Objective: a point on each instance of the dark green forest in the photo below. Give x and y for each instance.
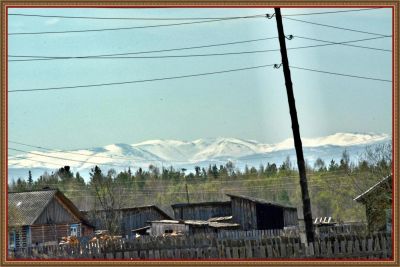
(332, 185)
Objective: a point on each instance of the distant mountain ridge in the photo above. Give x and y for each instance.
(187, 154)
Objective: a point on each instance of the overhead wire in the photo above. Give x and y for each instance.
(190, 75)
(336, 27)
(347, 43)
(330, 12)
(132, 28)
(328, 43)
(61, 158)
(279, 183)
(341, 74)
(139, 81)
(111, 156)
(132, 18)
(151, 51)
(162, 163)
(170, 18)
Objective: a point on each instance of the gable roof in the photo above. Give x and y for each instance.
(211, 203)
(372, 189)
(24, 208)
(127, 209)
(261, 201)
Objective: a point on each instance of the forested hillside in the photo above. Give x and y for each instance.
(332, 185)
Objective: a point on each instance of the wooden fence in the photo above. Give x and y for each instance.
(342, 229)
(252, 234)
(377, 246)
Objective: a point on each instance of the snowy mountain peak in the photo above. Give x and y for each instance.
(198, 152)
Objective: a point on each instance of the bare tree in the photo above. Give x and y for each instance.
(109, 200)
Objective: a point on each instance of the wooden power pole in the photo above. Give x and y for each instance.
(296, 131)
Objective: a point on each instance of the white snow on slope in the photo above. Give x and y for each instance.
(175, 152)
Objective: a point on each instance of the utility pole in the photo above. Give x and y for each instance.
(187, 193)
(296, 131)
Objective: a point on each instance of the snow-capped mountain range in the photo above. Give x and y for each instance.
(187, 154)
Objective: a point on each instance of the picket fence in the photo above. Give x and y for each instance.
(376, 246)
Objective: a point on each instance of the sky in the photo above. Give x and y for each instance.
(248, 104)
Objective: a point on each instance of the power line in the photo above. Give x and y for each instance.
(280, 182)
(189, 18)
(40, 57)
(328, 43)
(58, 164)
(336, 27)
(186, 76)
(111, 156)
(61, 158)
(133, 18)
(330, 12)
(342, 74)
(139, 81)
(135, 27)
(346, 43)
(192, 179)
(151, 51)
(74, 153)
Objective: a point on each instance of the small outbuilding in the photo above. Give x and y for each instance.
(43, 217)
(378, 205)
(259, 214)
(201, 210)
(127, 219)
(177, 227)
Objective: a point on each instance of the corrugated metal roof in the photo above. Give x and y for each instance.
(387, 179)
(262, 201)
(166, 221)
(223, 225)
(219, 219)
(25, 207)
(196, 222)
(200, 223)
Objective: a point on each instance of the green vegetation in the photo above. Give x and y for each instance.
(332, 186)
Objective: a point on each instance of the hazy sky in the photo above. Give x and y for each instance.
(249, 104)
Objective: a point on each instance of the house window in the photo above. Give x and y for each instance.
(19, 238)
(74, 230)
(11, 239)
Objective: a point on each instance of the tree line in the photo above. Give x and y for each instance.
(332, 185)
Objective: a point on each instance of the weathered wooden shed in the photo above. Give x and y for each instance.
(201, 210)
(378, 205)
(43, 217)
(161, 227)
(128, 219)
(259, 214)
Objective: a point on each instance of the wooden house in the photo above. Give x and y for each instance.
(259, 214)
(378, 205)
(127, 219)
(201, 210)
(43, 217)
